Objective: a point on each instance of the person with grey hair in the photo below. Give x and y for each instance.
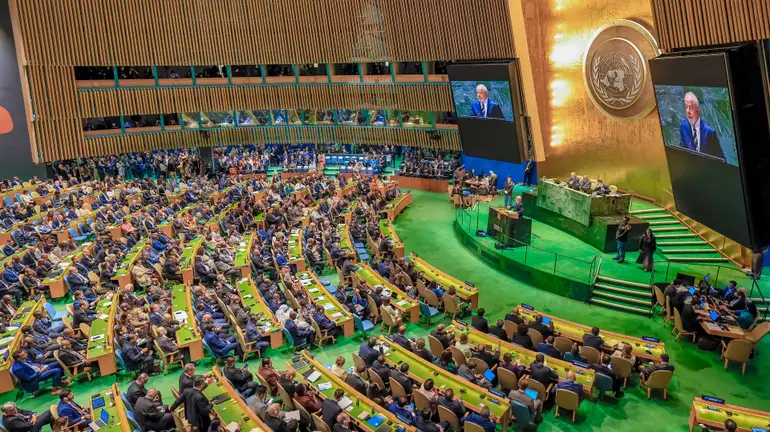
(150, 413)
(19, 420)
(276, 420)
(485, 107)
(694, 133)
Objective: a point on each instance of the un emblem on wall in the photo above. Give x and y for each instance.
(615, 70)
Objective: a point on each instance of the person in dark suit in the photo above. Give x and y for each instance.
(479, 322)
(381, 368)
(441, 334)
(354, 379)
(448, 401)
(593, 339)
(149, 412)
(540, 372)
(647, 247)
(367, 352)
(242, 379)
(422, 351)
(331, 407)
(569, 384)
(19, 420)
(606, 369)
(695, 134)
(548, 349)
(401, 339)
(522, 337)
(424, 423)
(646, 370)
(514, 316)
(485, 107)
(520, 395)
(171, 269)
(135, 358)
(197, 408)
(537, 324)
(69, 356)
(136, 389)
(82, 315)
(483, 418)
(220, 346)
(401, 376)
(498, 330)
(343, 423)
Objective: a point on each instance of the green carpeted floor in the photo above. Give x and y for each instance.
(426, 228)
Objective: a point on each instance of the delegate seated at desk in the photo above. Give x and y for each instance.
(519, 206)
(573, 182)
(585, 184)
(602, 189)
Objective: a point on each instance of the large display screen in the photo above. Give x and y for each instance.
(483, 99)
(486, 102)
(698, 120)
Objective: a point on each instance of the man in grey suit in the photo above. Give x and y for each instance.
(354, 380)
(535, 405)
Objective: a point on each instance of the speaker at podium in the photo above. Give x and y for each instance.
(508, 228)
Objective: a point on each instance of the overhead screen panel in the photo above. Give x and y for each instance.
(698, 122)
(485, 97)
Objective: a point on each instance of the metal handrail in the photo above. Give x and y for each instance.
(754, 284)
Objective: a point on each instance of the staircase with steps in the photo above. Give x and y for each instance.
(675, 240)
(622, 295)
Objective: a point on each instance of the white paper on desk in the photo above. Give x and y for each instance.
(232, 427)
(6, 340)
(345, 402)
(382, 348)
(712, 326)
(313, 290)
(102, 316)
(242, 243)
(324, 386)
(305, 282)
(313, 377)
(336, 315)
(402, 303)
(329, 306)
(304, 276)
(321, 298)
(180, 315)
(109, 303)
(256, 430)
(292, 415)
(97, 337)
(11, 329)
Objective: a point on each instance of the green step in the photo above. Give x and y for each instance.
(697, 259)
(626, 291)
(759, 301)
(623, 282)
(650, 210)
(633, 309)
(622, 298)
(668, 236)
(669, 229)
(662, 216)
(661, 223)
(685, 251)
(684, 243)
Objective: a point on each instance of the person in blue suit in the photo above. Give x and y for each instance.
(483, 106)
(400, 407)
(253, 334)
(69, 408)
(695, 134)
(30, 374)
(483, 418)
(570, 385)
(221, 346)
(367, 352)
(300, 335)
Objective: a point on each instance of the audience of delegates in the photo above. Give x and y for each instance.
(429, 163)
(156, 164)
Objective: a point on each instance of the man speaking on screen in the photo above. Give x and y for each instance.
(695, 134)
(485, 107)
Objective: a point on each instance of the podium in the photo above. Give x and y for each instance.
(508, 228)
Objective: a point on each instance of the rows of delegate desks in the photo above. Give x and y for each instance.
(367, 277)
(395, 207)
(364, 413)
(296, 256)
(56, 285)
(255, 304)
(465, 290)
(187, 262)
(714, 412)
(109, 400)
(583, 376)
(101, 348)
(11, 339)
(320, 296)
(188, 336)
(386, 228)
(234, 409)
(122, 276)
(644, 348)
(243, 253)
(474, 397)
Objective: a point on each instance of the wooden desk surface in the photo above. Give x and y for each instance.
(714, 415)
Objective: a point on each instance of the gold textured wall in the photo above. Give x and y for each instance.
(578, 137)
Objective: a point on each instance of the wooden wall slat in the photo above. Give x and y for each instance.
(696, 23)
